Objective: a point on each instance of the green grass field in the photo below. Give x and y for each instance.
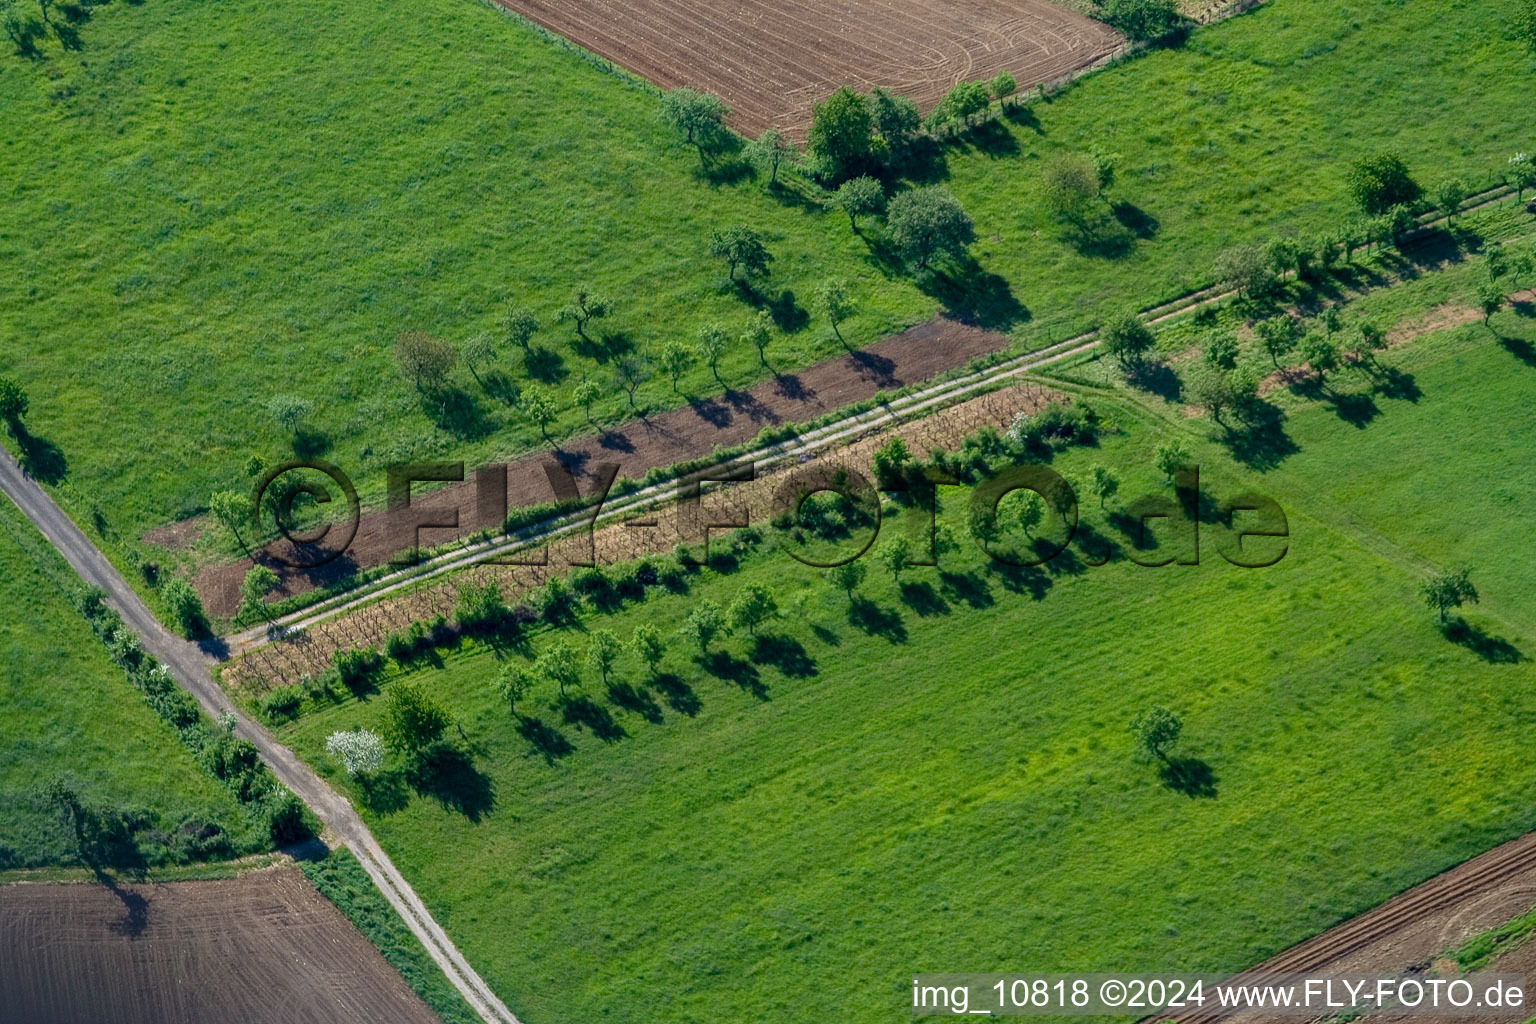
(948, 783)
(71, 715)
(219, 204)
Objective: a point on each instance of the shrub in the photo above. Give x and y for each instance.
(283, 702)
(357, 667)
(185, 607)
(480, 609)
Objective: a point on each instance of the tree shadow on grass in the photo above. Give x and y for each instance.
(923, 600)
(635, 700)
(680, 696)
(545, 365)
(40, 458)
(826, 635)
(1493, 649)
(449, 775)
(1519, 348)
(1021, 579)
(457, 412)
(1190, 776)
(786, 654)
(384, 792)
(744, 674)
(545, 739)
(1390, 382)
(1134, 219)
(868, 616)
(974, 296)
(1261, 443)
(585, 713)
(1156, 377)
(1357, 409)
(967, 588)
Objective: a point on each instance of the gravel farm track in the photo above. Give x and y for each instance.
(772, 61)
(264, 948)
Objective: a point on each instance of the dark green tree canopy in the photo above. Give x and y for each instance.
(927, 222)
(841, 141)
(1379, 183)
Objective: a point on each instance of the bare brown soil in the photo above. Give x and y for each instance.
(772, 61)
(309, 652)
(662, 440)
(264, 948)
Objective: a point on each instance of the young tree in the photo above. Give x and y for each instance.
(859, 197)
(361, 751)
(1490, 299)
(603, 652)
(1497, 261)
(1246, 270)
(413, 719)
(1277, 336)
(1522, 267)
(770, 151)
(233, 511)
(585, 393)
(753, 606)
(703, 624)
(834, 300)
(895, 555)
(841, 139)
(1446, 590)
(1170, 456)
(759, 333)
(1030, 512)
(520, 325)
(424, 360)
(711, 345)
(847, 577)
(1379, 183)
(1522, 169)
(1002, 86)
(584, 308)
(476, 351)
(1103, 484)
(897, 121)
(926, 222)
(1156, 729)
(697, 117)
(1126, 338)
(648, 643)
(1208, 387)
(558, 665)
(963, 101)
(185, 606)
(1243, 384)
(513, 684)
(289, 412)
(1372, 339)
(741, 247)
(1450, 195)
(538, 409)
(676, 359)
(629, 372)
(890, 461)
(1321, 355)
(1071, 183)
(1221, 351)
(1331, 320)
(13, 402)
(259, 581)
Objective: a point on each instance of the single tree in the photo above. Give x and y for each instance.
(259, 581)
(1221, 351)
(1246, 270)
(890, 462)
(1379, 183)
(1126, 338)
(711, 345)
(476, 351)
(1243, 383)
(629, 372)
(1446, 590)
(603, 652)
(513, 684)
(897, 121)
(1208, 387)
(1103, 484)
(1030, 512)
(859, 197)
(835, 302)
(1277, 336)
(770, 151)
(13, 403)
(1498, 262)
(538, 409)
(1370, 340)
(1331, 320)
(1522, 267)
(424, 360)
(649, 644)
(520, 325)
(1141, 19)
(1321, 355)
(1002, 86)
(927, 222)
(741, 247)
(1170, 456)
(697, 117)
(585, 393)
(1157, 729)
(847, 577)
(753, 606)
(1450, 195)
(1522, 168)
(361, 751)
(1071, 182)
(759, 333)
(584, 308)
(1490, 299)
(413, 719)
(841, 139)
(185, 606)
(676, 359)
(233, 511)
(963, 102)
(558, 665)
(289, 412)
(703, 624)
(895, 555)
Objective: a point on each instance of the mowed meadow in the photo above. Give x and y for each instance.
(220, 204)
(940, 775)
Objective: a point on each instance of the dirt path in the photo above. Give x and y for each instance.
(189, 665)
(665, 439)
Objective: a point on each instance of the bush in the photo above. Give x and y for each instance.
(283, 702)
(408, 644)
(480, 609)
(1057, 426)
(285, 818)
(358, 667)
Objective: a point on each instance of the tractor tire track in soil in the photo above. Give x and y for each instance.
(264, 948)
(639, 445)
